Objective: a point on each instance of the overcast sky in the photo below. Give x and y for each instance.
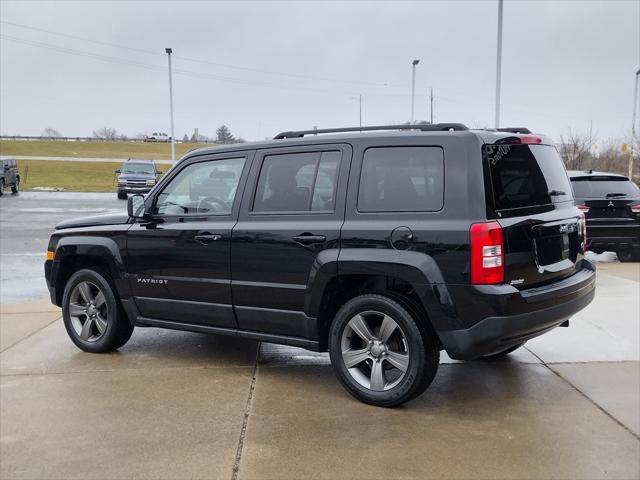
(263, 67)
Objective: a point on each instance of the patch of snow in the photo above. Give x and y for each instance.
(607, 257)
(48, 189)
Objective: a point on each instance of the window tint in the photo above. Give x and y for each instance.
(603, 187)
(202, 188)
(401, 179)
(526, 176)
(297, 182)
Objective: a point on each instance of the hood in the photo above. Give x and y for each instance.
(94, 221)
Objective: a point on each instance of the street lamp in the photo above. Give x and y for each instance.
(634, 139)
(413, 88)
(173, 144)
(499, 64)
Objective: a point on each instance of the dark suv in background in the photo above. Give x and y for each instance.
(136, 176)
(9, 175)
(383, 248)
(611, 204)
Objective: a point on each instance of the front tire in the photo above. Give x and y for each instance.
(1, 187)
(16, 186)
(122, 195)
(92, 316)
(379, 351)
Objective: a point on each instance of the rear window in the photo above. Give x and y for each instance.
(603, 187)
(402, 179)
(526, 176)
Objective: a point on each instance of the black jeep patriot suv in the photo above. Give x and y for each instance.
(383, 248)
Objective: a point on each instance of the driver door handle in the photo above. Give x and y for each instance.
(208, 237)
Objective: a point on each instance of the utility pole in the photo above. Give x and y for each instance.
(360, 98)
(173, 140)
(499, 64)
(634, 138)
(413, 88)
(431, 101)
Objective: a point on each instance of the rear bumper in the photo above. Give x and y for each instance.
(607, 236)
(521, 315)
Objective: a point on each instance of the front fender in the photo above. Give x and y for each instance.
(78, 248)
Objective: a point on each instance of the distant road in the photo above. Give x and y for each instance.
(80, 159)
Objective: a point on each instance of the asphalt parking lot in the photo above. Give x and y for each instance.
(185, 405)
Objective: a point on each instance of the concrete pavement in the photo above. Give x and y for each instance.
(184, 405)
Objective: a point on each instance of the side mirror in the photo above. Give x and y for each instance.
(135, 206)
(117, 171)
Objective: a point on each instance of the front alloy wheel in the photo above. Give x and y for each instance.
(88, 311)
(92, 315)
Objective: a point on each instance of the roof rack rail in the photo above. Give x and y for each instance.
(514, 130)
(425, 127)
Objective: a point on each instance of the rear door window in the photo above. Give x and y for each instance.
(402, 179)
(603, 187)
(526, 176)
(297, 182)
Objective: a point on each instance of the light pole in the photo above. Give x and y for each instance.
(173, 144)
(634, 138)
(499, 64)
(360, 100)
(413, 88)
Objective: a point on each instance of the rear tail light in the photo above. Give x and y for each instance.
(635, 208)
(583, 208)
(487, 253)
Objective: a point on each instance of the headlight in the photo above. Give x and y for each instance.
(122, 182)
(151, 182)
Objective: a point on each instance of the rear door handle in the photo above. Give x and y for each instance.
(309, 238)
(208, 237)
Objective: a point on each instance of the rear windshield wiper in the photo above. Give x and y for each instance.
(611, 195)
(556, 193)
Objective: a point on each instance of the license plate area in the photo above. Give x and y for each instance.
(550, 250)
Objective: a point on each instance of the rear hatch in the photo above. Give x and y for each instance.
(530, 196)
(606, 199)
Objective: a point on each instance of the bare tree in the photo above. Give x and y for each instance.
(575, 151)
(106, 133)
(50, 133)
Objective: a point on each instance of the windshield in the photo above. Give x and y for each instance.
(145, 168)
(603, 187)
(526, 176)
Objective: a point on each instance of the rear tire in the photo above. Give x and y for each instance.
(1, 187)
(15, 187)
(92, 316)
(379, 351)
